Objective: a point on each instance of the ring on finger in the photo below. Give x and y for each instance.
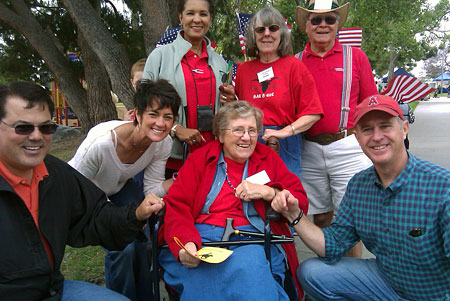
(224, 97)
(194, 141)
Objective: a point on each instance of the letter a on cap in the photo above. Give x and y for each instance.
(372, 101)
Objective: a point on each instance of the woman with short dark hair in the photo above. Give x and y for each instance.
(112, 153)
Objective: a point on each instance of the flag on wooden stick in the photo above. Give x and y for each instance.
(242, 29)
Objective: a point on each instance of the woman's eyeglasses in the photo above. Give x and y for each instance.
(28, 128)
(272, 28)
(239, 132)
(329, 20)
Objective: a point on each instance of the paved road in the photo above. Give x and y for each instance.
(429, 135)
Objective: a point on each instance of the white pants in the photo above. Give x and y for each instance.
(326, 170)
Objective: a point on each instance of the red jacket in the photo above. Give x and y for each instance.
(188, 193)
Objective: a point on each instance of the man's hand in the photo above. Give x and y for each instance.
(150, 205)
(286, 204)
(186, 259)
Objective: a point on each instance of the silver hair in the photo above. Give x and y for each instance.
(268, 16)
(234, 110)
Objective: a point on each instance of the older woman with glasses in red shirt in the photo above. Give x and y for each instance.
(214, 184)
(278, 84)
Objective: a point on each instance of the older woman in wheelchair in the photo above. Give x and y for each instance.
(232, 177)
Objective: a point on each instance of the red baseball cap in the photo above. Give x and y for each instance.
(378, 102)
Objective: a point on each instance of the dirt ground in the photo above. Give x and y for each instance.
(65, 148)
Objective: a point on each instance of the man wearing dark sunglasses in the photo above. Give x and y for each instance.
(45, 204)
(343, 78)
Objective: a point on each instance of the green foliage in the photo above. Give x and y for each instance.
(19, 61)
(125, 32)
(393, 31)
(224, 29)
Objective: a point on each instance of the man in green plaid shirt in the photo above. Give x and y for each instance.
(399, 208)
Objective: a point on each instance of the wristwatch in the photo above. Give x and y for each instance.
(295, 221)
(173, 130)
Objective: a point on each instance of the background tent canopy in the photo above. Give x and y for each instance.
(399, 71)
(443, 76)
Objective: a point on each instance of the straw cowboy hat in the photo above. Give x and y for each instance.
(321, 7)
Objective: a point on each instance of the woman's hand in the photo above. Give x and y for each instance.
(186, 259)
(190, 136)
(286, 204)
(227, 93)
(152, 204)
(249, 191)
(129, 116)
(280, 134)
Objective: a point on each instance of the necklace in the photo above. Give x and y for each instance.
(137, 148)
(228, 180)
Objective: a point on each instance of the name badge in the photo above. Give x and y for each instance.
(266, 74)
(260, 178)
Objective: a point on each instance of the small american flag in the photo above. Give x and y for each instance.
(169, 36)
(350, 36)
(243, 20)
(406, 89)
(242, 28)
(288, 26)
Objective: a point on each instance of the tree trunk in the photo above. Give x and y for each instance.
(155, 20)
(172, 6)
(100, 105)
(108, 50)
(24, 22)
(392, 62)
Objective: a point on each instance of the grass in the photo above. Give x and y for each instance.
(84, 264)
(413, 105)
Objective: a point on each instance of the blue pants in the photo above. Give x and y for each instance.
(83, 291)
(348, 279)
(128, 271)
(290, 151)
(245, 275)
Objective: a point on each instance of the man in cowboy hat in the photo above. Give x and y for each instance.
(399, 208)
(331, 155)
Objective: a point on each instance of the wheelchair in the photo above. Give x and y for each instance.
(266, 239)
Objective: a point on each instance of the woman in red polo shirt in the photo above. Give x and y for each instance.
(196, 71)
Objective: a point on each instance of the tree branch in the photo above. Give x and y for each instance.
(109, 51)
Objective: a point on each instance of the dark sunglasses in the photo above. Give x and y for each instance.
(27, 128)
(272, 28)
(330, 20)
